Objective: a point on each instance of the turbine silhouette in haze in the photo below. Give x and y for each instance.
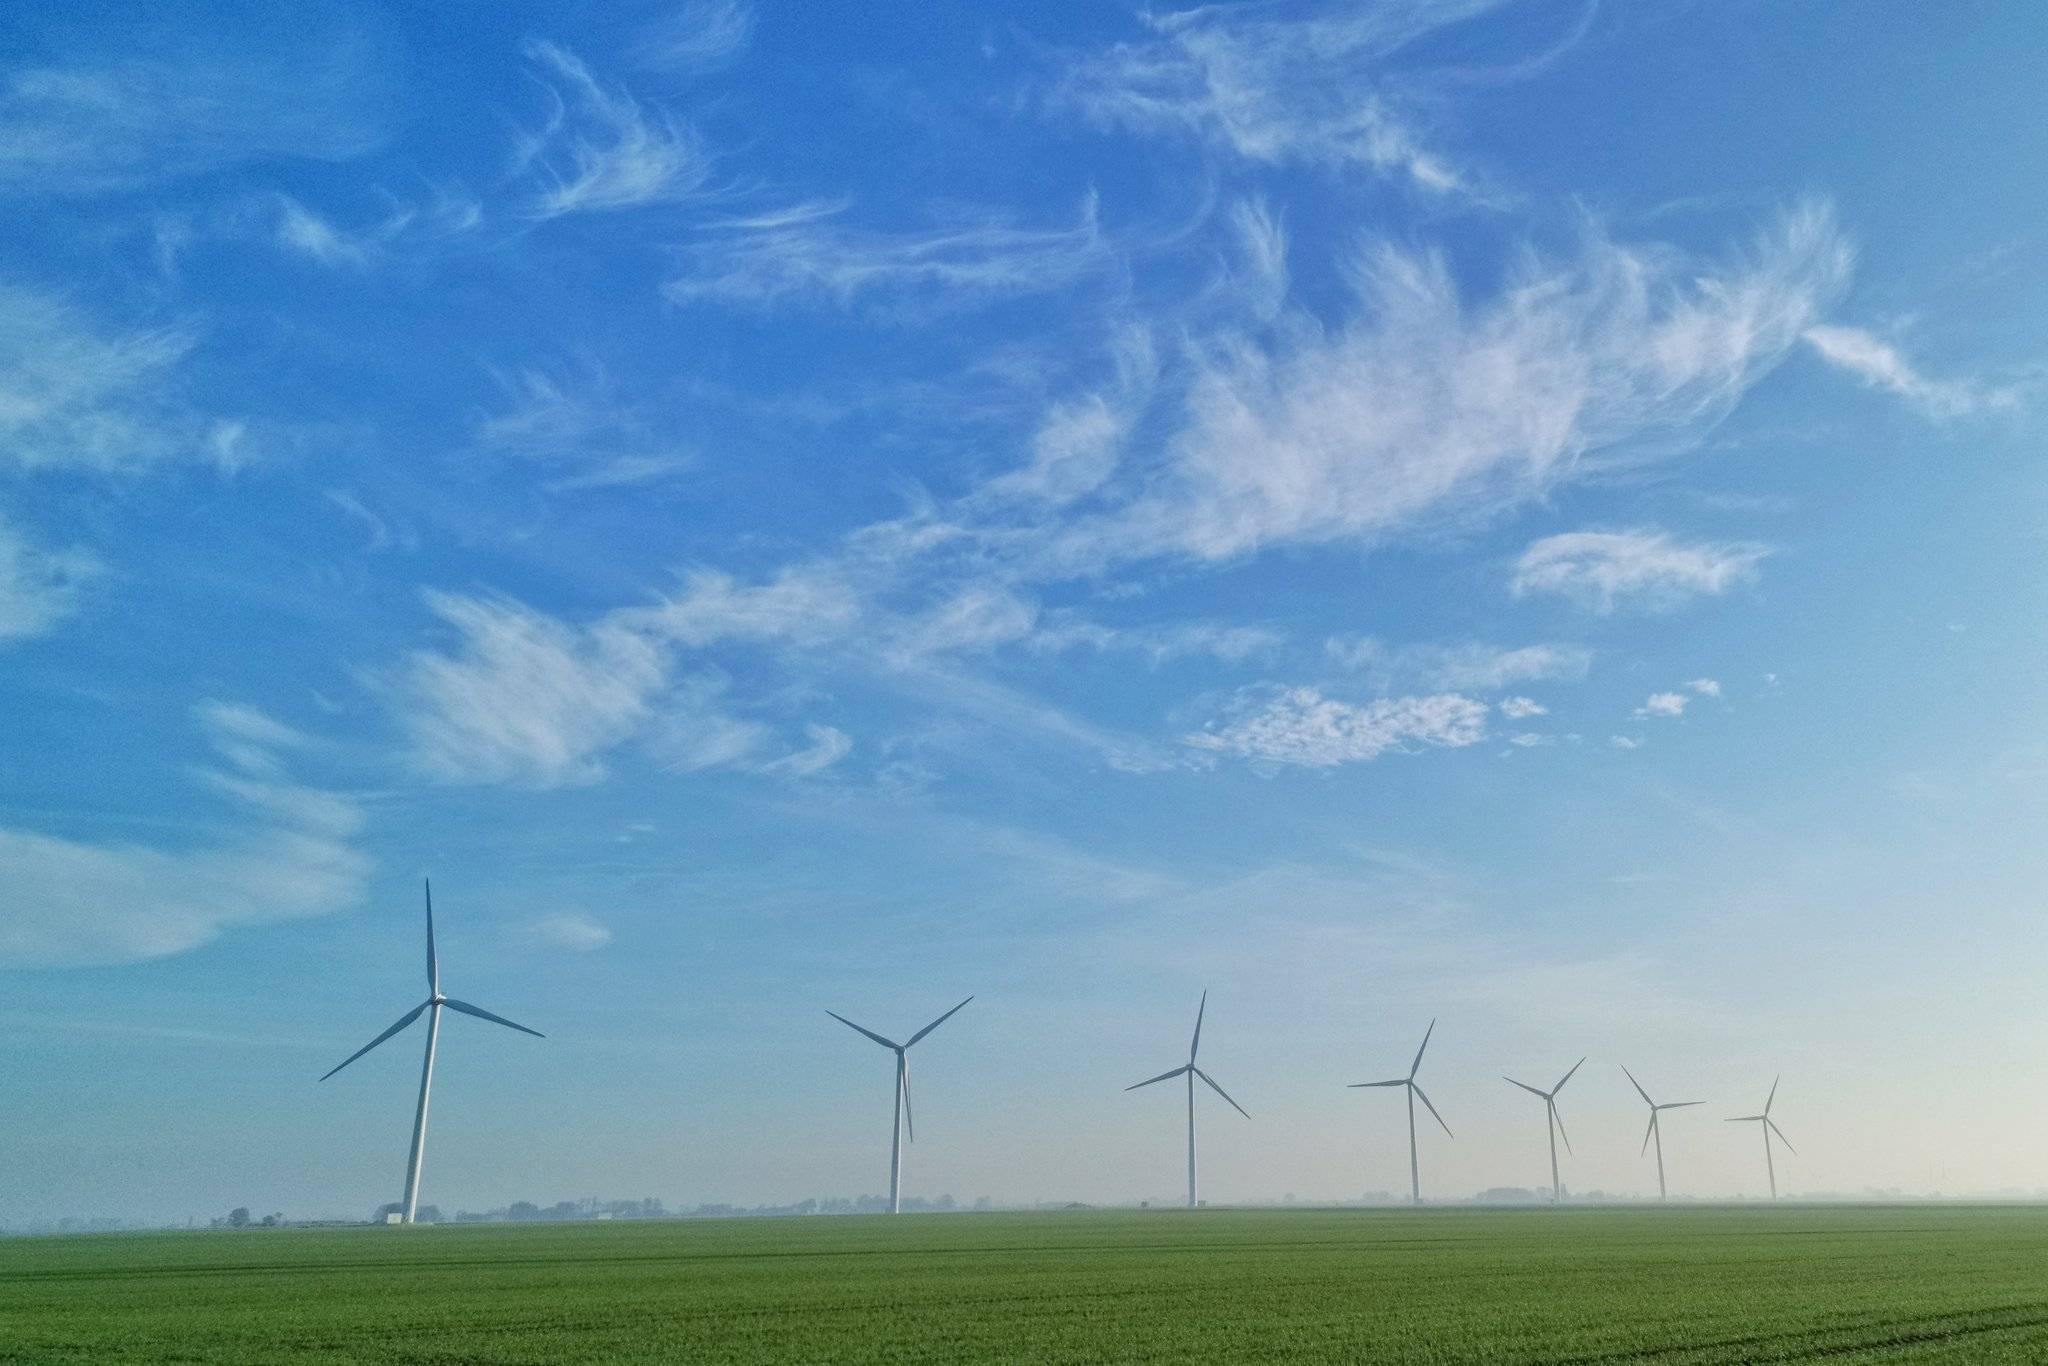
(1556, 1122)
(903, 1118)
(1190, 1071)
(433, 1004)
(1656, 1130)
(1414, 1091)
(1769, 1126)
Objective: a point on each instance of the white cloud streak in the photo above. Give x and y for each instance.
(39, 587)
(1880, 365)
(1321, 90)
(76, 902)
(1603, 570)
(600, 149)
(807, 254)
(1469, 666)
(696, 37)
(1301, 726)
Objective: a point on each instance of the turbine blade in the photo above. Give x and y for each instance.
(1745, 1119)
(1567, 1076)
(1196, 1046)
(1397, 1081)
(1218, 1090)
(935, 1023)
(1680, 1104)
(1638, 1085)
(1781, 1136)
(903, 1080)
(886, 1043)
(433, 968)
(1419, 1095)
(403, 1021)
(1560, 1126)
(1773, 1095)
(482, 1014)
(1163, 1076)
(1648, 1129)
(1527, 1087)
(1416, 1066)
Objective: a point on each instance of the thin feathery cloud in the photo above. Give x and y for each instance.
(1301, 726)
(181, 106)
(288, 854)
(601, 150)
(808, 255)
(1880, 365)
(1522, 708)
(567, 932)
(699, 36)
(77, 395)
(39, 587)
(1603, 570)
(407, 230)
(1324, 90)
(524, 699)
(1467, 667)
(1428, 407)
(574, 420)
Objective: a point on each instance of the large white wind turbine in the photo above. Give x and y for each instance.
(902, 1097)
(1769, 1126)
(435, 1000)
(1190, 1071)
(1656, 1130)
(1414, 1167)
(1556, 1122)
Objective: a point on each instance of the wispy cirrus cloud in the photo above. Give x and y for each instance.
(1469, 666)
(573, 419)
(694, 37)
(564, 932)
(1881, 365)
(144, 103)
(39, 587)
(1604, 570)
(287, 853)
(600, 149)
(1301, 726)
(77, 394)
(809, 254)
(1319, 85)
(1427, 406)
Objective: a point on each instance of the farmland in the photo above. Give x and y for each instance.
(1683, 1285)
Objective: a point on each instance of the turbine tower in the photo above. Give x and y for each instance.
(433, 1004)
(903, 1118)
(1191, 1072)
(1414, 1167)
(1556, 1122)
(1656, 1130)
(1769, 1126)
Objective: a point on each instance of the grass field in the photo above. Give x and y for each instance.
(1710, 1284)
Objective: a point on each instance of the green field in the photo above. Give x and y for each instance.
(1709, 1284)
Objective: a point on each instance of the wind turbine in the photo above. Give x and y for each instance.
(1414, 1168)
(1191, 1072)
(1656, 1130)
(1769, 1126)
(433, 1004)
(903, 1118)
(1556, 1121)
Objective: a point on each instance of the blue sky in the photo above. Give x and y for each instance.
(1522, 513)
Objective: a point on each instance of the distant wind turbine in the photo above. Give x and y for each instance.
(1190, 1071)
(1769, 1126)
(1656, 1130)
(433, 1004)
(1556, 1122)
(1414, 1091)
(903, 1117)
